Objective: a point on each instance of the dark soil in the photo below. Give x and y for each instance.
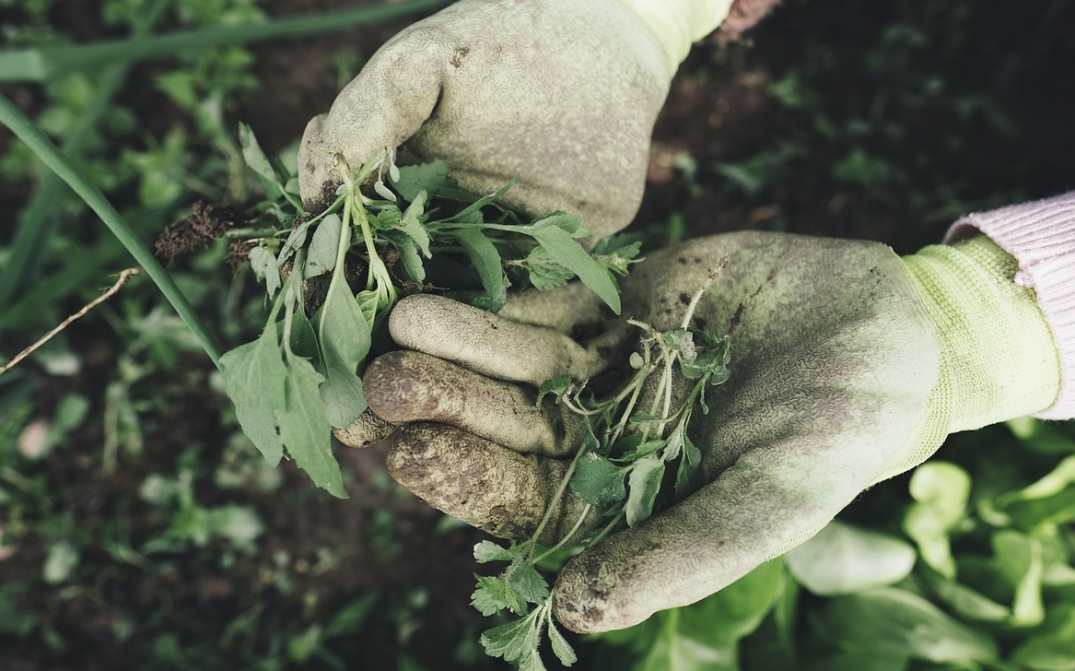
(999, 130)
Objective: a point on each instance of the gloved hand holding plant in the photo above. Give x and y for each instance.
(848, 365)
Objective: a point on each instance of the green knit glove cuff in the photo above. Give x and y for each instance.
(680, 23)
(999, 360)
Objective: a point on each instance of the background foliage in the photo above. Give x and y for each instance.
(139, 529)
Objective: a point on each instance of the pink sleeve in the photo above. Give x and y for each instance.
(1041, 236)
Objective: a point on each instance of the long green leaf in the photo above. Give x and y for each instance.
(305, 428)
(566, 251)
(254, 379)
(486, 260)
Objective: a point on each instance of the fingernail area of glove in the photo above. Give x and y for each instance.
(469, 478)
(588, 595)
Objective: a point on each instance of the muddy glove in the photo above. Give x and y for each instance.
(562, 94)
(849, 365)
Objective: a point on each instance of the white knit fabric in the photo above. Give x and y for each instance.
(1041, 237)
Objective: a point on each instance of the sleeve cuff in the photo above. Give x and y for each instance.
(1040, 235)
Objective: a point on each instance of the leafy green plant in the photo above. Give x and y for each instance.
(618, 472)
(301, 378)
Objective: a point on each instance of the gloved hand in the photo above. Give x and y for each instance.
(562, 94)
(849, 365)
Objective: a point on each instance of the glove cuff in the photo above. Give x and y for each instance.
(678, 24)
(999, 357)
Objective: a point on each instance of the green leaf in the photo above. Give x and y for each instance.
(1019, 559)
(254, 157)
(566, 251)
(487, 551)
(893, 623)
(644, 483)
(493, 594)
(545, 273)
(263, 263)
(941, 491)
(966, 602)
(1053, 648)
(410, 258)
(478, 204)
(349, 619)
(321, 255)
(428, 177)
(487, 262)
(598, 481)
(411, 223)
(295, 240)
(254, 376)
(305, 429)
(569, 223)
(345, 342)
(842, 559)
(513, 640)
(528, 583)
(558, 386)
(560, 647)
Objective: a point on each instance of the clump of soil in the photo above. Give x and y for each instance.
(207, 222)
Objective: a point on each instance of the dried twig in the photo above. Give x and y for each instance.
(123, 277)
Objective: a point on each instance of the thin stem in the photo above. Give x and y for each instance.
(123, 277)
(563, 541)
(689, 314)
(555, 501)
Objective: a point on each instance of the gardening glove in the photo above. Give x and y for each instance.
(849, 365)
(561, 94)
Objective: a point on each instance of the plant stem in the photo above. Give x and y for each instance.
(26, 131)
(555, 500)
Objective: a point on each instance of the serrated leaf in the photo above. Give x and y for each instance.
(558, 386)
(413, 179)
(598, 481)
(345, 342)
(560, 647)
(644, 483)
(487, 551)
(305, 429)
(514, 640)
(254, 157)
(545, 273)
(254, 376)
(566, 251)
(263, 263)
(321, 255)
(483, 253)
(494, 595)
(528, 583)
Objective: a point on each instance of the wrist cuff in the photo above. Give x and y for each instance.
(999, 357)
(1041, 236)
(679, 23)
